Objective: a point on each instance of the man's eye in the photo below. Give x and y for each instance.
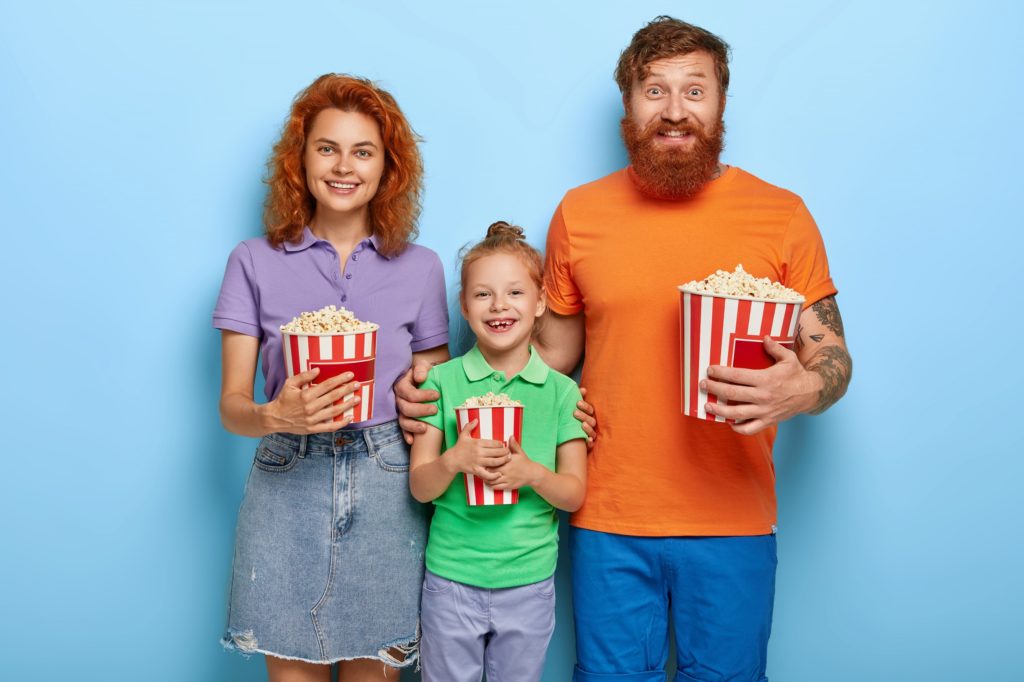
(696, 92)
(654, 92)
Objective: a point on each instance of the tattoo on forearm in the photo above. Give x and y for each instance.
(835, 366)
(828, 314)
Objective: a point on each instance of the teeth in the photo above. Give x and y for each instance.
(500, 324)
(673, 133)
(341, 185)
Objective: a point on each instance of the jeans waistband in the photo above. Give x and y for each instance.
(352, 440)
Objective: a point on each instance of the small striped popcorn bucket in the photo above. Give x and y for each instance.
(727, 330)
(334, 354)
(495, 423)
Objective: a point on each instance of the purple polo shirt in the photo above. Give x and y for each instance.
(265, 287)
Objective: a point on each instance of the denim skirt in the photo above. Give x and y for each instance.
(329, 547)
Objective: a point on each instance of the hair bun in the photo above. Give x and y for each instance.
(501, 229)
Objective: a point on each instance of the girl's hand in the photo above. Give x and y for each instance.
(476, 456)
(519, 471)
(302, 408)
(585, 414)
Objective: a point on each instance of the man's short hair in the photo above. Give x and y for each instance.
(669, 37)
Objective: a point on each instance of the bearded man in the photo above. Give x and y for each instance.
(680, 517)
(679, 521)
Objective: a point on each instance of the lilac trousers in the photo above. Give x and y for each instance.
(466, 630)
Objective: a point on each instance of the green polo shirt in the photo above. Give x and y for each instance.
(500, 545)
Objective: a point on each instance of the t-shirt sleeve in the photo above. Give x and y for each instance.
(805, 260)
(431, 326)
(238, 307)
(563, 295)
(569, 427)
(433, 383)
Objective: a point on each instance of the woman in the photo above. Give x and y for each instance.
(329, 546)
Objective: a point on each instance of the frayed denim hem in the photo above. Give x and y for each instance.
(245, 643)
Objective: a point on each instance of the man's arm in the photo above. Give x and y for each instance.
(810, 380)
(559, 340)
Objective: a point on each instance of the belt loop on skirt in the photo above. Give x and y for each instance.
(371, 450)
(302, 445)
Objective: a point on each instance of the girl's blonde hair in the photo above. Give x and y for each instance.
(505, 238)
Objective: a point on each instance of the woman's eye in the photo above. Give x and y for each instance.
(326, 149)
(363, 154)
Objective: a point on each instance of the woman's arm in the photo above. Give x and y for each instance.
(299, 408)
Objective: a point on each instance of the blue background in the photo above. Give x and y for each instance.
(134, 140)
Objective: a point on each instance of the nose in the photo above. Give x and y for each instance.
(675, 109)
(341, 166)
(498, 304)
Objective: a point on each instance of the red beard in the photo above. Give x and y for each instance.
(667, 173)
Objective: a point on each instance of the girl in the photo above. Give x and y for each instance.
(329, 546)
(488, 595)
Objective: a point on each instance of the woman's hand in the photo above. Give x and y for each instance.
(303, 408)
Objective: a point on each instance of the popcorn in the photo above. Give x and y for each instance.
(491, 400)
(744, 285)
(327, 320)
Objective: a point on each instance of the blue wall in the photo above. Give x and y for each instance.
(134, 138)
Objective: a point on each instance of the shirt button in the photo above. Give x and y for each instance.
(497, 377)
(348, 275)
(355, 256)
(344, 298)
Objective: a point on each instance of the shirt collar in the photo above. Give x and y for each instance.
(476, 367)
(308, 239)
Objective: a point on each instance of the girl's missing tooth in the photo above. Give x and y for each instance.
(489, 585)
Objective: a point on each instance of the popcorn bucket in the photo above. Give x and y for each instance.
(495, 423)
(335, 354)
(727, 330)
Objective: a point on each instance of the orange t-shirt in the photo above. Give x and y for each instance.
(618, 256)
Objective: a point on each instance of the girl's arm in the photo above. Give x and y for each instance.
(563, 489)
(298, 408)
(430, 474)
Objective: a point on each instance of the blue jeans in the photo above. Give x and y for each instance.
(718, 592)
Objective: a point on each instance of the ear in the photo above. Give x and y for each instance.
(462, 305)
(542, 302)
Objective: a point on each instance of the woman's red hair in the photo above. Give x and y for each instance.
(395, 208)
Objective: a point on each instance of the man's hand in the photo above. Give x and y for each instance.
(770, 395)
(585, 414)
(410, 400)
(810, 380)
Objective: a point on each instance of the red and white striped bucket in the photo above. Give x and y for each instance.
(334, 354)
(727, 330)
(494, 423)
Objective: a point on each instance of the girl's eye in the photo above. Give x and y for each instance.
(481, 294)
(516, 292)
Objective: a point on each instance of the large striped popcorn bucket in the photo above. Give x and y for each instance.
(727, 330)
(334, 354)
(494, 423)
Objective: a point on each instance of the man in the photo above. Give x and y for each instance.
(679, 519)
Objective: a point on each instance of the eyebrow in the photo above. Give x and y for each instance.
(364, 143)
(689, 74)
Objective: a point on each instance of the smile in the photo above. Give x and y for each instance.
(341, 185)
(501, 325)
